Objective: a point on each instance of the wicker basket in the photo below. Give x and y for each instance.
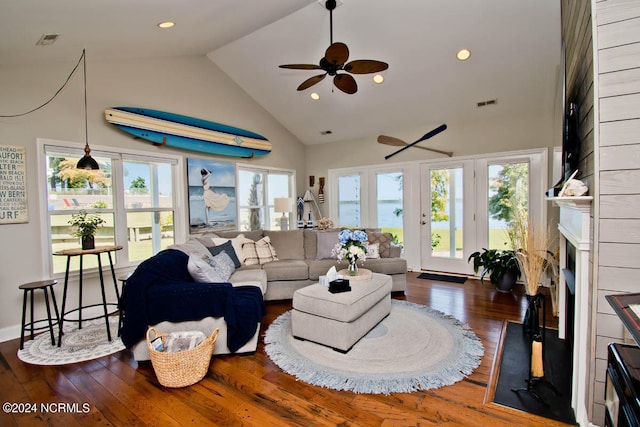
(183, 368)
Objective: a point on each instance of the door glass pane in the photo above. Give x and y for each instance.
(508, 198)
(446, 213)
(389, 204)
(349, 214)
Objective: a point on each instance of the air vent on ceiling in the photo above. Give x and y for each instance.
(489, 102)
(47, 39)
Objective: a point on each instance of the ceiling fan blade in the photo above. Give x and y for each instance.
(337, 53)
(427, 135)
(365, 66)
(301, 67)
(396, 142)
(345, 83)
(311, 81)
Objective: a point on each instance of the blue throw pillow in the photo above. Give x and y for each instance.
(228, 248)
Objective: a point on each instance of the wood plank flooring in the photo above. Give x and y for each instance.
(252, 390)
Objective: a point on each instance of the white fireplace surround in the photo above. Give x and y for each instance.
(575, 227)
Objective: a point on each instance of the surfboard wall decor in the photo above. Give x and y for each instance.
(188, 133)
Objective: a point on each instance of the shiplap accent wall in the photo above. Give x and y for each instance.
(618, 168)
(577, 35)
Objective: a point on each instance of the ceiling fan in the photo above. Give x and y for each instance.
(396, 142)
(335, 60)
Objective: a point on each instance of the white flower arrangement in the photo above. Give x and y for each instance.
(352, 246)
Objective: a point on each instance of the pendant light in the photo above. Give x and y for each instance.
(86, 162)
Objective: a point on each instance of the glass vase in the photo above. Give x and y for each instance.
(352, 269)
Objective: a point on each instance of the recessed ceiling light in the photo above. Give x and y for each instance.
(463, 54)
(314, 96)
(378, 78)
(166, 24)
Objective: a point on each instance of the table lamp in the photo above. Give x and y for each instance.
(283, 205)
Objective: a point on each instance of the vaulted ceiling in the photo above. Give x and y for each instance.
(515, 53)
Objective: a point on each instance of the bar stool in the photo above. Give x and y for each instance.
(29, 288)
(122, 279)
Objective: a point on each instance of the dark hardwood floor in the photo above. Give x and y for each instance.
(251, 390)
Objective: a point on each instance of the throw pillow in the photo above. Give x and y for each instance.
(236, 242)
(326, 241)
(260, 252)
(373, 250)
(384, 239)
(201, 271)
(223, 264)
(228, 248)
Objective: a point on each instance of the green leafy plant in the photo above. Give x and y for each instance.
(496, 263)
(85, 225)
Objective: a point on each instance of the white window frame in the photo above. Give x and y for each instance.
(120, 234)
(265, 171)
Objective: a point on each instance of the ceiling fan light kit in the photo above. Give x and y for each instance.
(334, 63)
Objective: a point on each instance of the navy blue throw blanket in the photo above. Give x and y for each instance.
(161, 289)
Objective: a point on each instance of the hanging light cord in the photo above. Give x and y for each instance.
(58, 91)
(84, 73)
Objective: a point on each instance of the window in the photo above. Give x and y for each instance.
(133, 194)
(349, 209)
(257, 189)
(390, 209)
(508, 199)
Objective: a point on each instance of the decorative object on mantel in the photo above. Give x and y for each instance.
(573, 187)
(188, 133)
(85, 226)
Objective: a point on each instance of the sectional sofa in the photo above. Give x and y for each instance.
(285, 261)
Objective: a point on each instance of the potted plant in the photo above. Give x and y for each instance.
(501, 265)
(85, 226)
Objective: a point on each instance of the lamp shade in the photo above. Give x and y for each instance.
(282, 204)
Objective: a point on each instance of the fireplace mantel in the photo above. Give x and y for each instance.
(575, 229)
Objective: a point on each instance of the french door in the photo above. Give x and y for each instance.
(447, 224)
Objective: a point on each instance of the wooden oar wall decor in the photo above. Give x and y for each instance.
(396, 142)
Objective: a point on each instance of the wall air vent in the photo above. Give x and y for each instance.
(47, 39)
(489, 102)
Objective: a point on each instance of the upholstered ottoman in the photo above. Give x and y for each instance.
(340, 320)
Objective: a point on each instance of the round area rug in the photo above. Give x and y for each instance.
(414, 348)
(78, 345)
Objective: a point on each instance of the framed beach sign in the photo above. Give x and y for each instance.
(212, 195)
(13, 185)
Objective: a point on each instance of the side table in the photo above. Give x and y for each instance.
(97, 251)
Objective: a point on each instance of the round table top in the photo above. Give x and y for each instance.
(39, 284)
(96, 250)
(363, 274)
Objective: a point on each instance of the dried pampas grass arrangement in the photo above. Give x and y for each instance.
(532, 244)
